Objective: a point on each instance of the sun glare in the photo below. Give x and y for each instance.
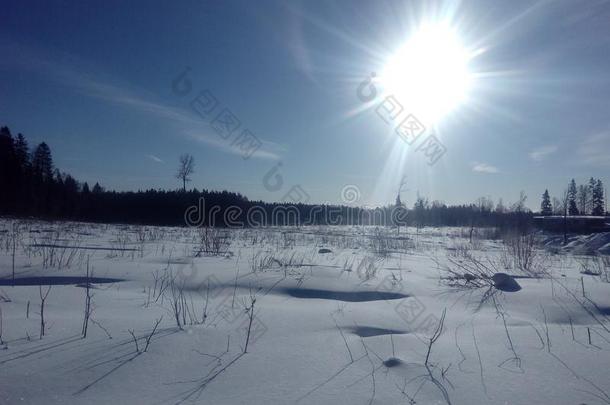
(429, 75)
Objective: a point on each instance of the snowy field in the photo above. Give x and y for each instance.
(310, 315)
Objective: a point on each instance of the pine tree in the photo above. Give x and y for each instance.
(23, 175)
(8, 171)
(419, 211)
(42, 163)
(545, 207)
(7, 155)
(22, 153)
(399, 214)
(97, 189)
(598, 198)
(572, 209)
(583, 199)
(70, 184)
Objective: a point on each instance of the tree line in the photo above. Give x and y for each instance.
(584, 199)
(33, 187)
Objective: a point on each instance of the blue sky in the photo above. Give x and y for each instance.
(94, 80)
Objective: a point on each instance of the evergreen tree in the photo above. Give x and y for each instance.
(591, 187)
(23, 174)
(584, 199)
(399, 214)
(419, 211)
(8, 171)
(545, 207)
(42, 163)
(598, 198)
(70, 184)
(97, 189)
(22, 153)
(572, 208)
(7, 155)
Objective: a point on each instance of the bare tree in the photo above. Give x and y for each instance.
(88, 308)
(43, 298)
(177, 299)
(437, 333)
(519, 206)
(1, 341)
(14, 237)
(557, 206)
(186, 168)
(249, 309)
(148, 338)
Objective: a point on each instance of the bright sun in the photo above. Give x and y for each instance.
(429, 74)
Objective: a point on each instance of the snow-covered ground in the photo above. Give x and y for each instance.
(596, 243)
(341, 315)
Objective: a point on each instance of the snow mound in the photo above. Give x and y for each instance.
(604, 250)
(595, 243)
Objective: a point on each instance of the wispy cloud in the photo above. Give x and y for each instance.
(72, 74)
(595, 149)
(539, 154)
(480, 167)
(269, 150)
(155, 158)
